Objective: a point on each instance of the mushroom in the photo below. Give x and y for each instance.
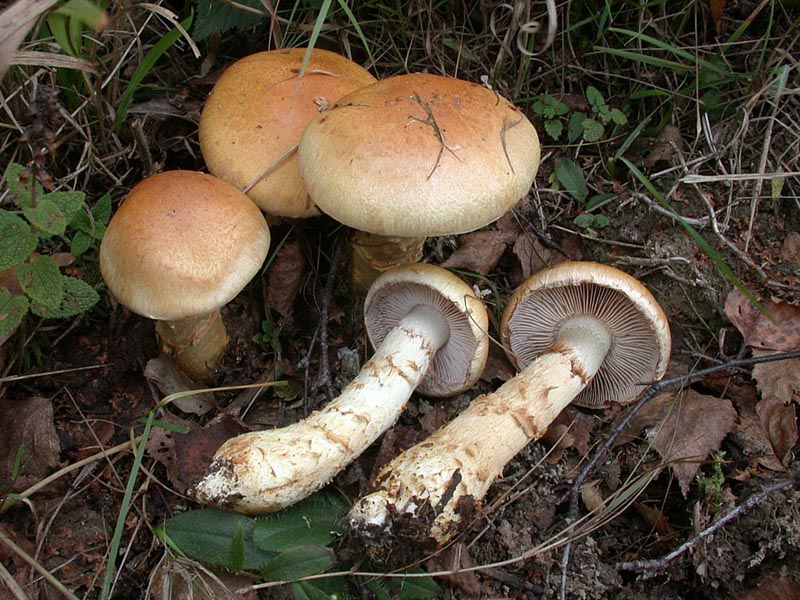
(412, 156)
(182, 245)
(252, 121)
(581, 332)
(429, 331)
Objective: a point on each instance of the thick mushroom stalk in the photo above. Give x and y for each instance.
(607, 333)
(424, 321)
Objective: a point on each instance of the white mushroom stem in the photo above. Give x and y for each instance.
(434, 486)
(265, 471)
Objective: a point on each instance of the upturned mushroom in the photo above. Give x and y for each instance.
(182, 245)
(429, 331)
(413, 156)
(257, 110)
(580, 332)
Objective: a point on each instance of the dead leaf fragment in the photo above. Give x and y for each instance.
(779, 380)
(782, 333)
(780, 424)
(480, 251)
(285, 276)
(693, 428)
(453, 557)
(170, 379)
(29, 445)
(533, 256)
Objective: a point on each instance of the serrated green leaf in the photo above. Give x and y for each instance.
(17, 241)
(307, 523)
(595, 98)
(80, 243)
(214, 16)
(12, 310)
(601, 221)
(592, 130)
(46, 215)
(78, 298)
(571, 178)
(575, 127)
(101, 211)
(554, 128)
(298, 562)
(584, 220)
(68, 202)
(41, 281)
(22, 191)
(618, 117)
(206, 535)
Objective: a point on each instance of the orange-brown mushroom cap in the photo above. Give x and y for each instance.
(182, 244)
(256, 114)
(419, 155)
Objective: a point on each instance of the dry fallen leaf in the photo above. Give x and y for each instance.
(533, 256)
(694, 427)
(790, 251)
(782, 333)
(28, 442)
(780, 425)
(456, 556)
(480, 251)
(285, 276)
(182, 579)
(170, 379)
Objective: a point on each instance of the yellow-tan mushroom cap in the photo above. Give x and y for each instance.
(182, 244)
(419, 155)
(256, 113)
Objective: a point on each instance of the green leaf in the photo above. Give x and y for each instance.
(101, 211)
(592, 130)
(68, 202)
(22, 190)
(236, 551)
(595, 98)
(618, 117)
(46, 215)
(409, 588)
(78, 298)
(144, 67)
(41, 281)
(85, 12)
(307, 523)
(214, 16)
(80, 243)
(297, 563)
(597, 200)
(12, 311)
(554, 128)
(320, 589)
(571, 178)
(17, 241)
(206, 535)
(575, 127)
(584, 220)
(601, 221)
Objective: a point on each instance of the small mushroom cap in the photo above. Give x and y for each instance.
(419, 155)
(640, 345)
(459, 363)
(256, 114)
(182, 244)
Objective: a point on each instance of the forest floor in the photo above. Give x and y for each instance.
(709, 96)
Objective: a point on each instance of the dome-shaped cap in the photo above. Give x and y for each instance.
(256, 114)
(459, 363)
(640, 337)
(182, 244)
(418, 155)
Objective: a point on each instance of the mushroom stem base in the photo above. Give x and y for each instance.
(195, 344)
(372, 254)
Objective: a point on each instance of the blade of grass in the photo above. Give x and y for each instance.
(710, 251)
(146, 66)
(312, 40)
(357, 26)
